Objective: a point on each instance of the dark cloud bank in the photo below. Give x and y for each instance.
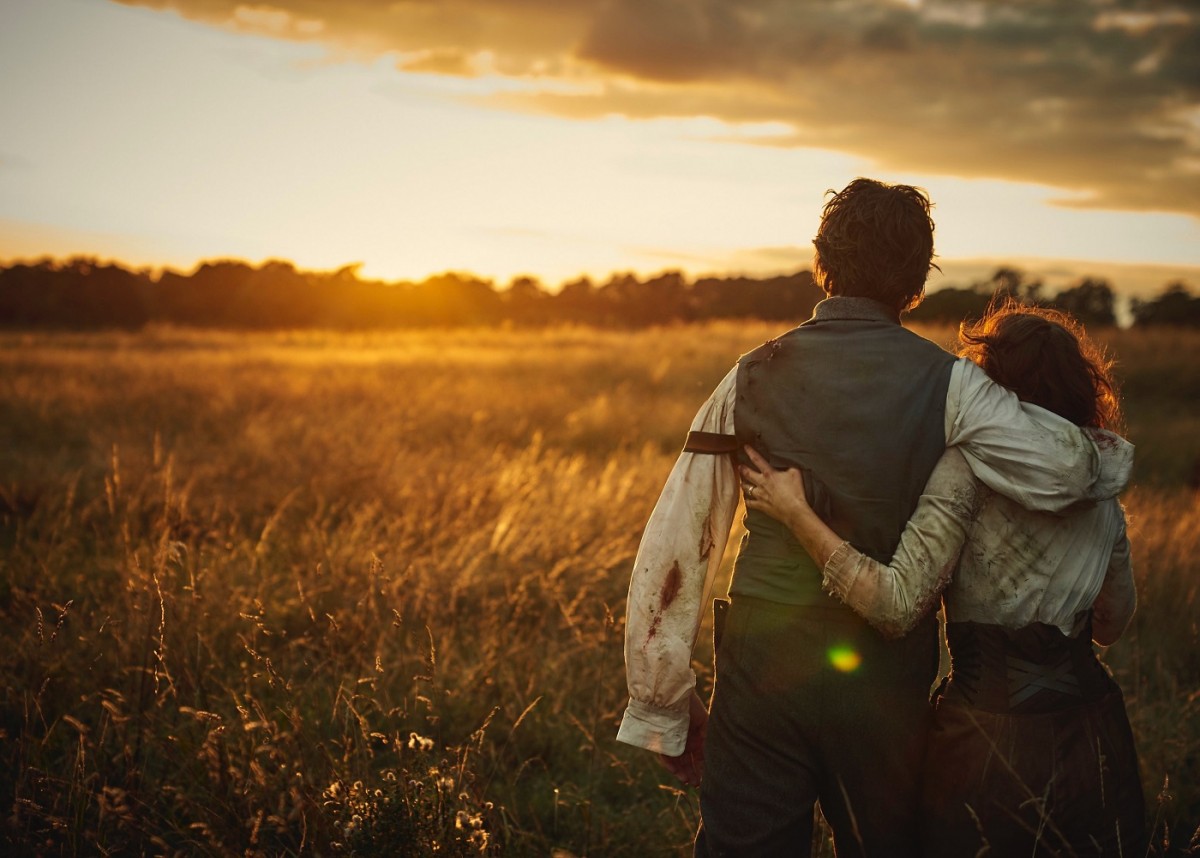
(1096, 97)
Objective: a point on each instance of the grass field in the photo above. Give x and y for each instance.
(313, 593)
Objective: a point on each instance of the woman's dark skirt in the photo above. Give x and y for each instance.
(1031, 753)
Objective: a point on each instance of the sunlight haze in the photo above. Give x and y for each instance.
(565, 140)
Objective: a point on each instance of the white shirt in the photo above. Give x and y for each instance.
(1027, 453)
(997, 562)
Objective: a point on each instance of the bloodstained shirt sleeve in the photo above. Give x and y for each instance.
(679, 555)
(1114, 606)
(1026, 453)
(893, 597)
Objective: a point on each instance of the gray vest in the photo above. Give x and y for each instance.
(857, 401)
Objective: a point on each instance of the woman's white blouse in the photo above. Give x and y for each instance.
(992, 561)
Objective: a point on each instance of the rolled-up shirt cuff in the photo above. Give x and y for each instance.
(840, 571)
(663, 731)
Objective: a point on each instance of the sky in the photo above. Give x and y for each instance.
(556, 138)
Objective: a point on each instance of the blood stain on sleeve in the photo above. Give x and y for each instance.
(706, 540)
(653, 632)
(670, 590)
(671, 585)
(1103, 440)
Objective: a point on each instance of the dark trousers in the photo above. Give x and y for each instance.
(812, 705)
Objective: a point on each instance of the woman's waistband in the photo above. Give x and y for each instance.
(1032, 669)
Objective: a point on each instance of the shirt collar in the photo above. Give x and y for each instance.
(843, 307)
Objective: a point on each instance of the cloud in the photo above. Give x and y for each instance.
(1096, 97)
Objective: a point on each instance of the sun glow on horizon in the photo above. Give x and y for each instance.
(172, 142)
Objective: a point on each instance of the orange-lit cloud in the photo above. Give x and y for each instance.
(1097, 98)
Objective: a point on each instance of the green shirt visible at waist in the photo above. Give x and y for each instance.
(764, 571)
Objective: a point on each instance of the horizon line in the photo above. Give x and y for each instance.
(970, 271)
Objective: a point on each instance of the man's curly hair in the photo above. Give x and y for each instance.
(875, 241)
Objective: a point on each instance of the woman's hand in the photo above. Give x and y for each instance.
(780, 494)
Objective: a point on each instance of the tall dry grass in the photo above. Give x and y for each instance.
(327, 593)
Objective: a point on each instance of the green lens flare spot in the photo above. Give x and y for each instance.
(844, 658)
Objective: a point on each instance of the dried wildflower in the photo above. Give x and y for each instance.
(417, 742)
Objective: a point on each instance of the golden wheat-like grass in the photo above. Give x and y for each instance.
(320, 593)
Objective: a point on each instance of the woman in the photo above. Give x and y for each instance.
(1030, 750)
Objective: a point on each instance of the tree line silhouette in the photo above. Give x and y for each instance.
(1091, 300)
(82, 293)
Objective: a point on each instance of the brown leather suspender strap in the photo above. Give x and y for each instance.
(712, 443)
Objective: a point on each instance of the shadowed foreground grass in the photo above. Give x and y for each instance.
(326, 593)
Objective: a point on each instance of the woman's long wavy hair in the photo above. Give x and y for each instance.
(1045, 357)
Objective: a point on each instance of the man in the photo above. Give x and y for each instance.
(812, 705)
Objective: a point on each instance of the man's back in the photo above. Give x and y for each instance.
(859, 402)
